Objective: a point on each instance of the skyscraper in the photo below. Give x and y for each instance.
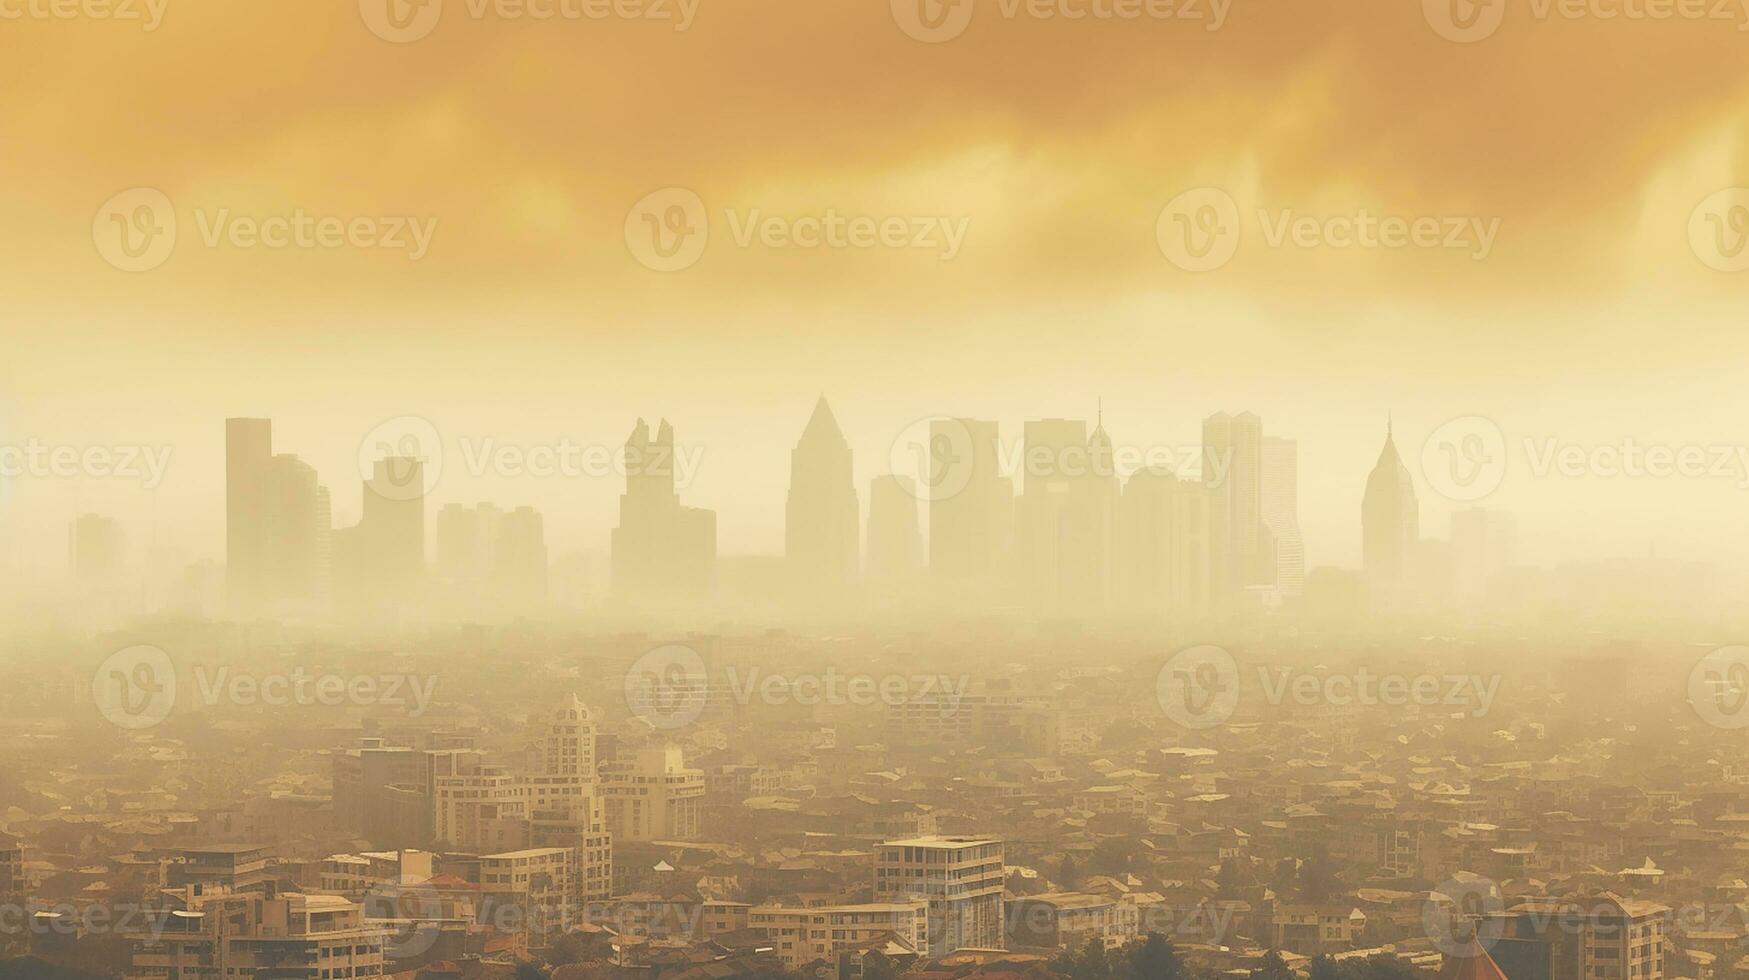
(394, 523)
(1390, 523)
(1232, 469)
(248, 451)
(661, 551)
(1064, 517)
(492, 555)
(277, 523)
(822, 516)
(1281, 513)
(1162, 560)
(895, 542)
(971, 511)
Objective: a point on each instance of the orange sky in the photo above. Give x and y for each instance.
(1586, 141)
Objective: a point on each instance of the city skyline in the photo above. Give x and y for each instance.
(569, 463)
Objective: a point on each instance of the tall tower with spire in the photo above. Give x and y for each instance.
(822, 519)
(662, 552)
(1390, 522)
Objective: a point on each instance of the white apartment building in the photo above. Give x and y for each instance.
(804, 935)
(960, 877)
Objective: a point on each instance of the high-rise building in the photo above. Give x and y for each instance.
(565, 805)
(1390, 524)
(971, 510)
(1232, 469)
(661, 551)
(960, 877)
(277, 524)
(394, 522)
(1281, 514)
(895, 543)
(652, 795)
(94, 546)
(248, 452)
(464, 543)
(492, 556)
(822, 516)
(1163, 549)
(1064, 517)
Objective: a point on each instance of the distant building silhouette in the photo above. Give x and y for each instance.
(381, 559)
(1162, 562)
(1281, 513)
(661, 551)
(822, 517)
(1390, 524)
(492, 557)
(1064, 517)
(895, 541)
(971, 511)
(1232, 469)
(277, 524)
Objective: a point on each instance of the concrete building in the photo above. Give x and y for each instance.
(223, 936)
(805, 935)
(960, 877)
(1069, 920)
(653, 796)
